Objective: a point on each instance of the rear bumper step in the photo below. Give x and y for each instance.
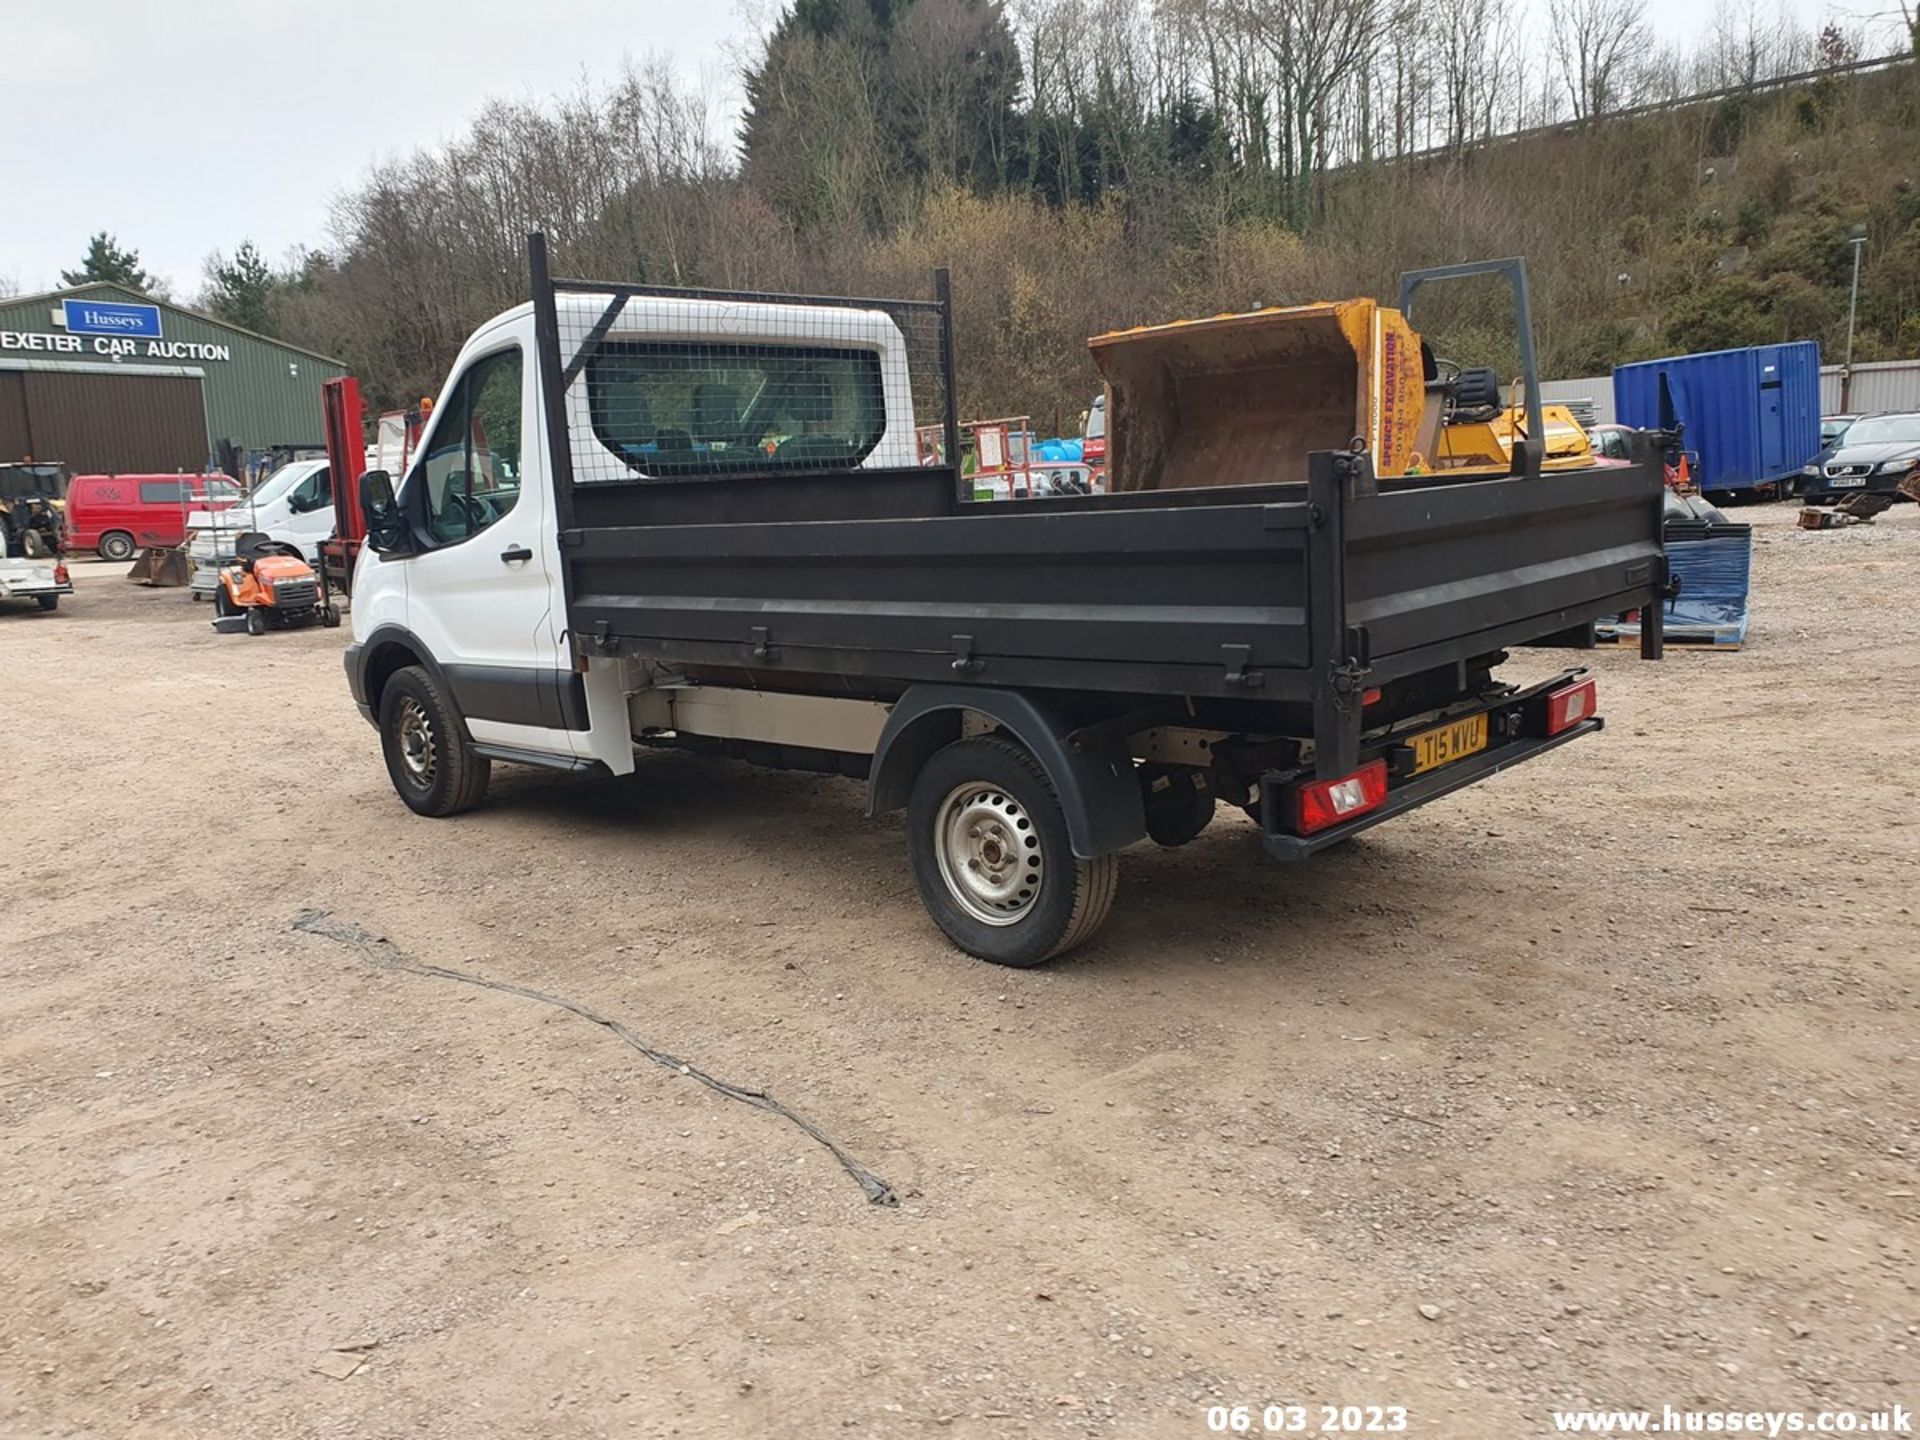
(1406, 795)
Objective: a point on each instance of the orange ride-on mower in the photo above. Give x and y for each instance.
(269, 582)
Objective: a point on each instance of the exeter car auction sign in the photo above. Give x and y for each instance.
(112, 328)
(113, 346)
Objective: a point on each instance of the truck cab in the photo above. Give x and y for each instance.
(681, 389)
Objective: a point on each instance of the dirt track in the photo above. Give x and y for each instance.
(1613, 1062)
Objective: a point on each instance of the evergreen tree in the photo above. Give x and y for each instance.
(105, 260)
(243, 291)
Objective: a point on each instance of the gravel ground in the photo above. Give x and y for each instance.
(1595, 1084)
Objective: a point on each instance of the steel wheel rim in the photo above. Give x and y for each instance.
(419, 752)
(989, 854)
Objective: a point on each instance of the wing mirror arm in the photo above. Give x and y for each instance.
(380, 511)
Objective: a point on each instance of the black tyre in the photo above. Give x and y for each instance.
(116, 545)
(330, 616)
(222, 606)
(48, 602)
(992, 859)
(256, 620)
(429, 757)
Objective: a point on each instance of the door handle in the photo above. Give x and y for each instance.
(516, 552)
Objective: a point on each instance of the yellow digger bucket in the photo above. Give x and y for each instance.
(159, 566)
(1243, 399)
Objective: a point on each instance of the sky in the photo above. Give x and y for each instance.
(186, 127)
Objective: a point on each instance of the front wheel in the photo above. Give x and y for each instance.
(256, 620)
(992, 859)
(429, 758)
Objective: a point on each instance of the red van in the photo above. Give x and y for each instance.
(117, 514)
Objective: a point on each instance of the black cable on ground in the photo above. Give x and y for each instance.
(385, 954)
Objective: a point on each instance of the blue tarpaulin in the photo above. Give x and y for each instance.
(1712, 558)
(1714, 573)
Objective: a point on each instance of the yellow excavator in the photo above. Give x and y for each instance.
(1243, 399)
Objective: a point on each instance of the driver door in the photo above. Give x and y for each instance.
(481, 585)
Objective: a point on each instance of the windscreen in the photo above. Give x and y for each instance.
(1097, 419)
(679, 408)
(1885, 430)
(280, 481)
(32, 482)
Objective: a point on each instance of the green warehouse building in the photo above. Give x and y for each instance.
(112, 381)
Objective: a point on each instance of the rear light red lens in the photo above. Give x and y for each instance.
(1372, 697)
(1321, 803)
(60, 575)
(1567, 708)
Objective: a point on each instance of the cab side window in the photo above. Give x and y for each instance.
(313, 493)
(469, 470)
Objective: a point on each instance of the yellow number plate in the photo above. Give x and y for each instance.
(1448, 743)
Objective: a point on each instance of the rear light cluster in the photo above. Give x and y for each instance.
(1316, 805)
(1321, 803)
(60, 576)
(1567, 708)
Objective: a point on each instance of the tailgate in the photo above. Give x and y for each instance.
(1445, 571)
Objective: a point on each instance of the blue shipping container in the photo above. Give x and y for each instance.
(1752, 416)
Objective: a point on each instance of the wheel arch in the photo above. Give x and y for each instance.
(1095, 783)
(386, 652)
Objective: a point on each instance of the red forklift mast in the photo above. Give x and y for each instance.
(346, 462)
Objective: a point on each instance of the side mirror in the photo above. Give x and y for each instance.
(381, 512)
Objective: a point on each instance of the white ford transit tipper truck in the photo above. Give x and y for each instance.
(649, 517)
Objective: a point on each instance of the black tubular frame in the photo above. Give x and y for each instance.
(1527, 457)
(557, 374)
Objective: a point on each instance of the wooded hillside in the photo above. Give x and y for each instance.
(1086, 164)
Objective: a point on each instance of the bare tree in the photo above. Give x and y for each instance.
(1315, 47)
(1595, 43)
(1467, 39)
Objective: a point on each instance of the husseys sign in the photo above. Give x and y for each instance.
(113, 329)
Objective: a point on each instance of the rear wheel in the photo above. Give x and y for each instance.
(48, 602)
(992, 859)
(116, 545)
(429, 758)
